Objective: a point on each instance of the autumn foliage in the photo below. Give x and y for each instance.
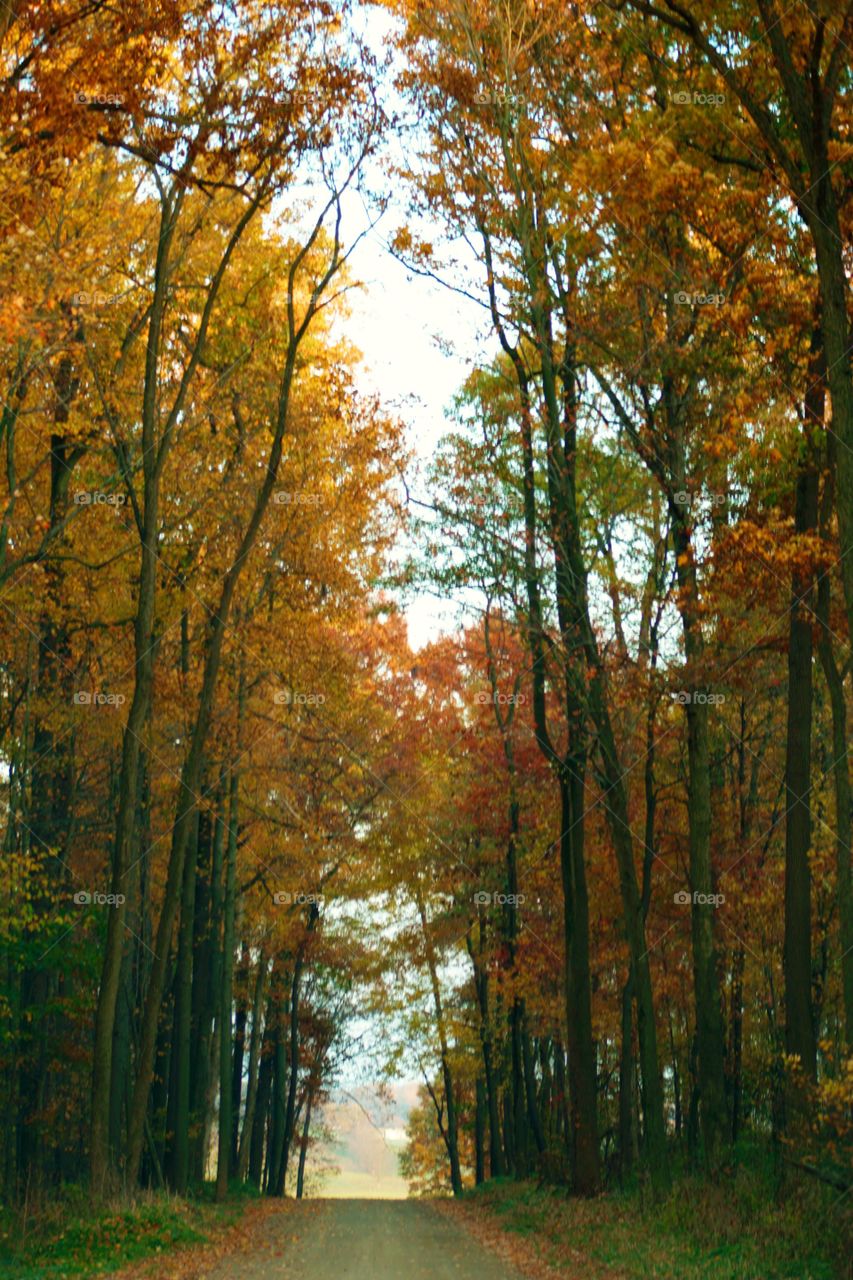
(585, 857)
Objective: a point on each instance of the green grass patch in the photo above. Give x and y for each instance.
(743, 1228)
(69, 1238)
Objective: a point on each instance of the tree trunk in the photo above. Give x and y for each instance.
(479, 1131)
(190, 773)
(275, 1142)
(303, 1147)
(144, 652)
(50, 809)
(626, 1082)
(259, 1122)
(239, 1050)
(533, 1115)
(450, 1131)
(582, 1064)
(180, 1162)
(207, 977)
(293, 1072)
(716, 1128)
(481, 986)
(834, 678)
(254, 1065)
(799, 1016)
(225, 1063)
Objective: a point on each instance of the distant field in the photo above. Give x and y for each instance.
(351, 1184)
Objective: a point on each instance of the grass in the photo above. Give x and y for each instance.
(68, 1238)
(743, 1228)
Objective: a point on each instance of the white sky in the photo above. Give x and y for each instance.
(418, 337)
(396, 321)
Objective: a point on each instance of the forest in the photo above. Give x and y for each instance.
(577, 861)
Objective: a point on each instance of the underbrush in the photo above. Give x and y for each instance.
(747, 1226)
(68, 1237)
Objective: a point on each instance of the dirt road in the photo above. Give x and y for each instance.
(362, 1240)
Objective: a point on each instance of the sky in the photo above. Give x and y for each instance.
(418, 337)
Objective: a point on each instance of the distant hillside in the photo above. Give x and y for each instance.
(367, 1131)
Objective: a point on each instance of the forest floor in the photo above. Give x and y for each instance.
(161, 1237)
(734, 1230)
(738, 1229)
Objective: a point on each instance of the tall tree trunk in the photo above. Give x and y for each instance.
(533, 1116)
(181, 1046)
(626, 1081)
(481, 986)
(834, 678)
(479, 1131)
(239, 1050)
(217, 628)
(710, 1042)
(293, 1071)
(255, 1042)
(450, 1132)
(208, 972)
(799, 1016)
(262, 1106)
(144, 653)
(521, 1165)
(582, 1064)
(225, 1061)
(303, 1146)
(278, 1103)
(50, 808)
(736, 1040)
(582, 1074)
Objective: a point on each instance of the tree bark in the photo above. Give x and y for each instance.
(225, 1055)
(254, 1067)
(797, 954)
